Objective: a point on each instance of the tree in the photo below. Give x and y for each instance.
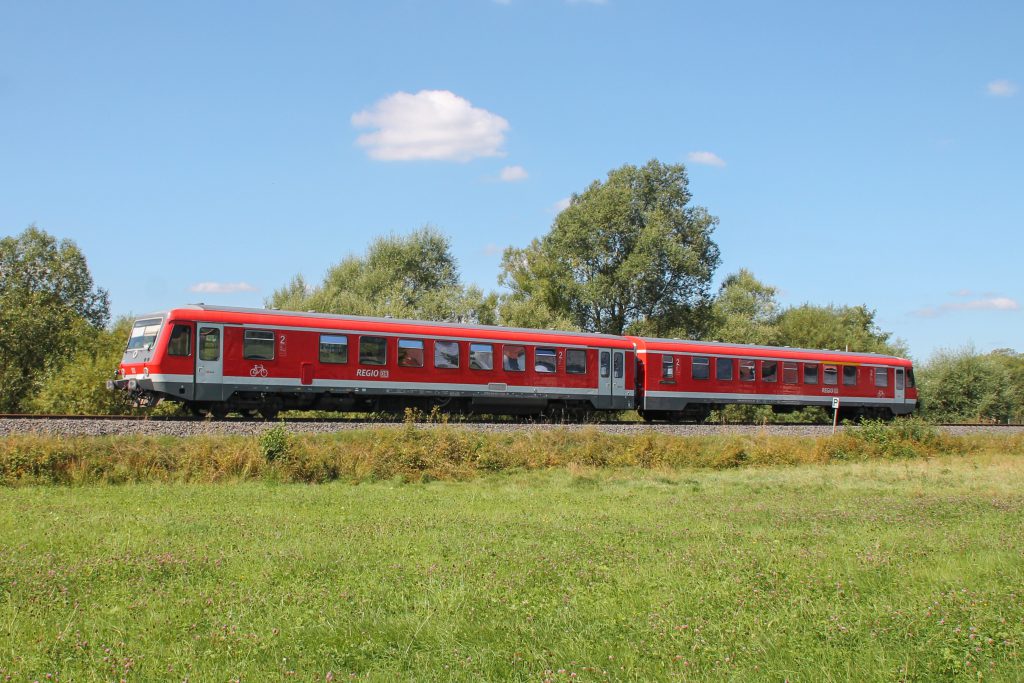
(745, 311)
(47, 302)
(836, 327)
(77, 386)
(411, 276)
(627, 255)
(963, 385)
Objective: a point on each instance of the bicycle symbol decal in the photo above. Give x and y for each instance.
(258, 371)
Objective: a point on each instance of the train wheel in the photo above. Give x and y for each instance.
(218, 411)
(269, 411)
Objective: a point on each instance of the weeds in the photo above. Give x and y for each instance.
(412, 452)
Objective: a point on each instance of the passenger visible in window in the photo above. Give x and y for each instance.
(513, 358)
(545, 360)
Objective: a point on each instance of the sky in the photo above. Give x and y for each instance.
(855, 153)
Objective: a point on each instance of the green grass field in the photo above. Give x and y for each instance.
(849, 571)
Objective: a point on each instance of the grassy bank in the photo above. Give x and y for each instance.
(877, 570)
(442, 452)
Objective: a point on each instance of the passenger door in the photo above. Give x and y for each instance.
(604, 374)
(209, 362)
(900, 384)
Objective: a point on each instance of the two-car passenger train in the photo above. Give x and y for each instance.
(216, 360)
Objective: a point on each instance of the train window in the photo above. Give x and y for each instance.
(181, 341)
(850, 375)
(513, 358)
(668, 366)
(545, 360)
(618, 365)
(606, 361)
(700, 368)
(410, 353)
(910, 378)
(373, 350)
(789, 373)
(810, 373)
(143, 334)
(333, 348)
(899, 379)
(769, 371)
(576, 361)
(481, 356)
(209, 343)
(258, 345)
(746, 371)
(723, 369)
(831, 374)
(446, 354)
(881, 377)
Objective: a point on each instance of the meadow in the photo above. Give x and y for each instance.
(878, 569)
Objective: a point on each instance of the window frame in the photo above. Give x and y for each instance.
(545, 352)
(569, 365)
(618, 364)
(384, 345)
(144, 324)
(847, 376)
(830, 371)
(774, 378)
(188, 340)
(725, 364)
(473, 349)
(700, 362)
(405, 343)
(605, 363)
(320, 348)
(446, 357)
(246, 338)
(520, 356)
(751, 368)
(200, 348)
(884, 374)
(811, 374)
(668, 369)
(790, 367)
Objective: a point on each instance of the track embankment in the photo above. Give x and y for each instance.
(77, 426)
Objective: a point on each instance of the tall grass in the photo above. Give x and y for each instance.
(441, 452)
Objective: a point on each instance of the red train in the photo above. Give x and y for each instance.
(217, 360)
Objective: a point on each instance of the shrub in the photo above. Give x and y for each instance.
(275, 443)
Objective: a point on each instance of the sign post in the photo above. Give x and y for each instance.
(835, 413)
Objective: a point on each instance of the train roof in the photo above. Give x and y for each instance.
(231, 314)
(713, 347)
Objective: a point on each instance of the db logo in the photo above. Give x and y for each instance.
(258, 371)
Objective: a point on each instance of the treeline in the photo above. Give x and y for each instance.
(629, 255)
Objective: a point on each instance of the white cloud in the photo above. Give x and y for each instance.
(221, 287)
(511, 174)
(432, 124)
(991, 303)
(562, 204)
(706, 158)
(1001, 88)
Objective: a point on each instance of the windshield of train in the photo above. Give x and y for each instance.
(144, 334)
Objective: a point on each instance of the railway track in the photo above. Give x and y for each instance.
(115, 425)
(399, 420)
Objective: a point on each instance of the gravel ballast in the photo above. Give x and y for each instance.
(89, 427)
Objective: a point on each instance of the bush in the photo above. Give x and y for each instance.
(274, 443)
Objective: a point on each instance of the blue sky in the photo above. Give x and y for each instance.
(864, 153)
